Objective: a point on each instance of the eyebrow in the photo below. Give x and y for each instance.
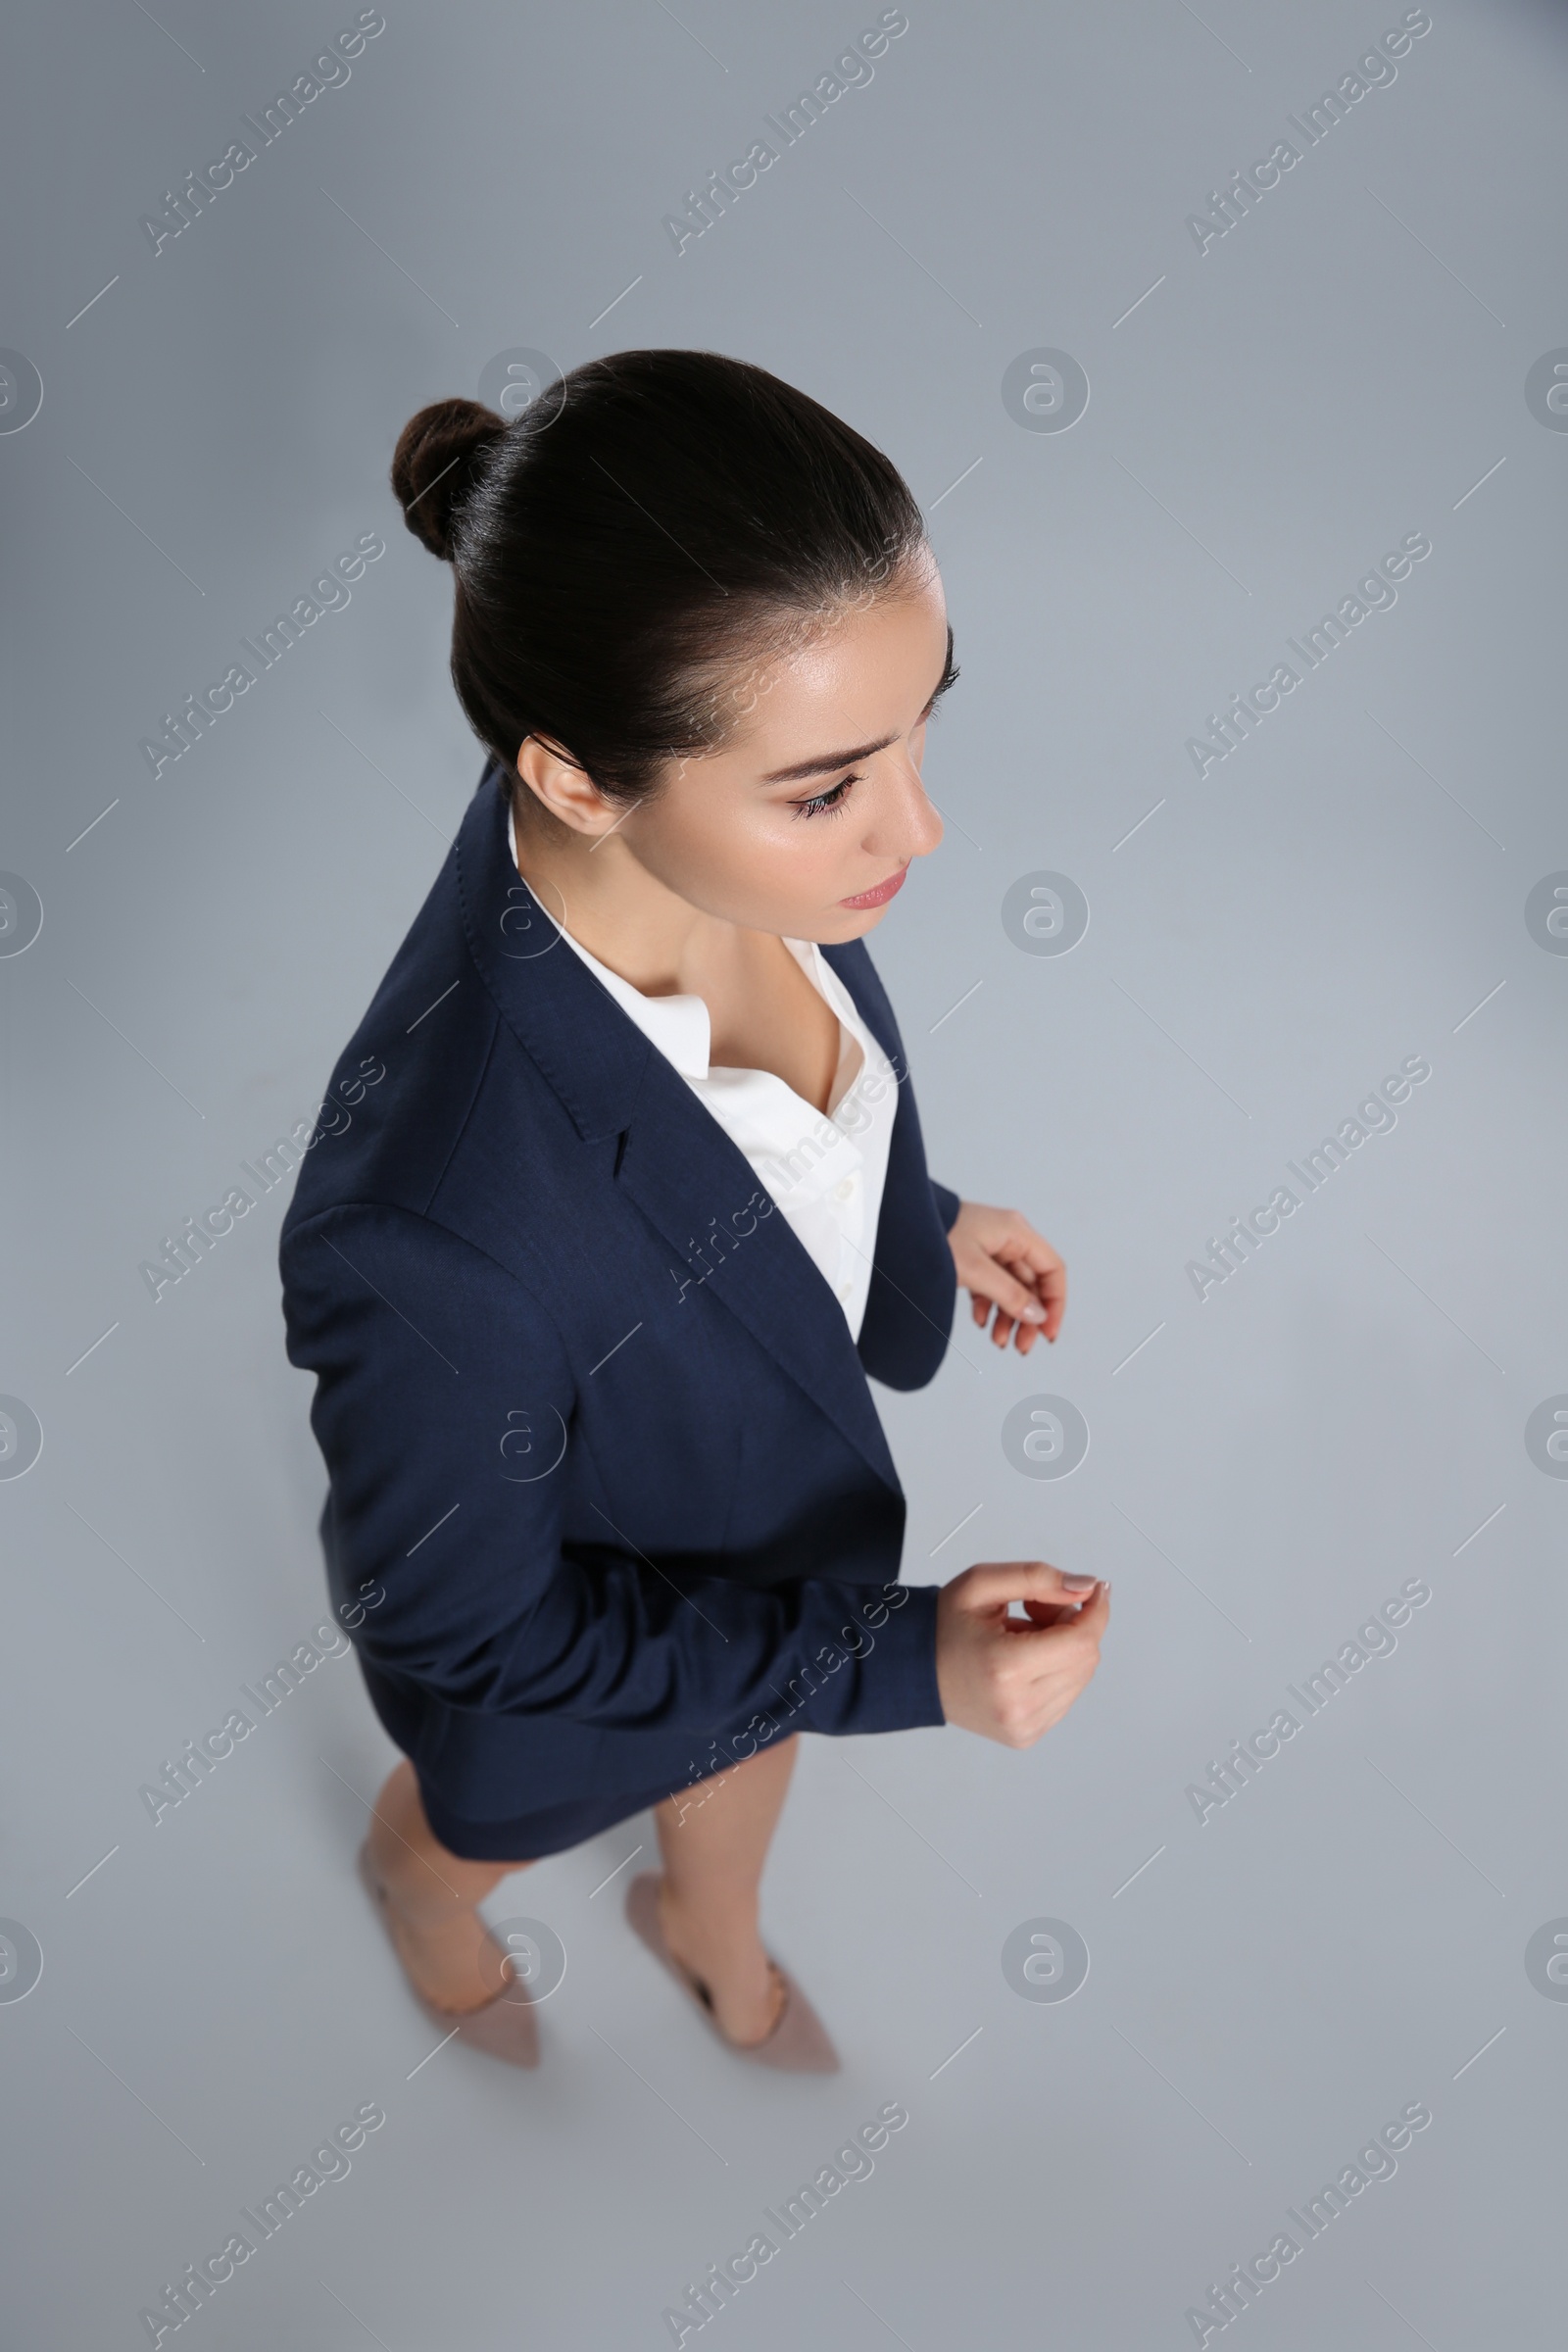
(863, 751)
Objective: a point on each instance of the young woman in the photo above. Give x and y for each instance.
(618, 1194)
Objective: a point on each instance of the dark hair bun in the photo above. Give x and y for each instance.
(436, 464)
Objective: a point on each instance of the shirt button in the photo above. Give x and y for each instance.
(844, 1188)
(843, 1291)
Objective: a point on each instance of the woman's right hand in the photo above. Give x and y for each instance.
(1004, 1678)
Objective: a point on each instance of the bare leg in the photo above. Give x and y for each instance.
(715, 1843)
(432, 1896)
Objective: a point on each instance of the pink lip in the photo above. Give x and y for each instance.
(882, 893)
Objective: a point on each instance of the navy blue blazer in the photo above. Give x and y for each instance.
(610, 1502)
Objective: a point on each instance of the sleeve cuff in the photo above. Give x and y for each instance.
(897, 1679)
(948, 1205)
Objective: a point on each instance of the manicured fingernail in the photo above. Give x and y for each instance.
(1077, 1584)
(1034, 1314)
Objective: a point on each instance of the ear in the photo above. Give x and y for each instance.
(563, 788)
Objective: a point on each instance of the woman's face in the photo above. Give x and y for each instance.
(806, 823)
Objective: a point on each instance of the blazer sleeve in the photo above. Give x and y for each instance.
(948, 1205)
(444, 1408)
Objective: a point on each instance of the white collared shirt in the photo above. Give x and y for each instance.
(825, 1170)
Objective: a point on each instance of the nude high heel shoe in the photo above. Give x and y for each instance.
(506, 2028)
(797, 2043)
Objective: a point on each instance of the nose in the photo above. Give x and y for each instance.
(905, 824)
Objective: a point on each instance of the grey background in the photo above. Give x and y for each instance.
(1343, 1414)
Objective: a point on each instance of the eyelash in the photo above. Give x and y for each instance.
(825, 803)
(831, 801)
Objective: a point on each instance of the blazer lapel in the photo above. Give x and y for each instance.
(698, 1189)
(676, 1162)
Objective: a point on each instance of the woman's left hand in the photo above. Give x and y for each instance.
(1003, 1262)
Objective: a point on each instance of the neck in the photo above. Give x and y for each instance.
(623, 915)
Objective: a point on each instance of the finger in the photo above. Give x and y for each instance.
(1062, 1612)
(1071, 1645)
(1016, 1299)
(992, 1584)
(1032, 1260)
(1049, 1285)
(1048, 1665)
(1002, 1329)
(1094, 1615)
(1025, 1247)
(1056, 1612)
(1042, 1613)
(981, 1300)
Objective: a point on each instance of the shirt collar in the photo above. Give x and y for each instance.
(681, 1027)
